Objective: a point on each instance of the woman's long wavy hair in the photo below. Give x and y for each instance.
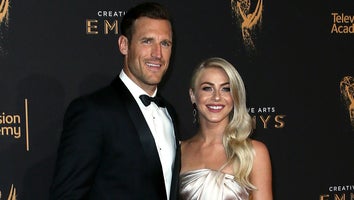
(238, 147)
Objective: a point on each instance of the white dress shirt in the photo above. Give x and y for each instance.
(161, 127)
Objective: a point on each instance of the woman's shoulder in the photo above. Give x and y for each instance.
(188, 141)
(260, 148)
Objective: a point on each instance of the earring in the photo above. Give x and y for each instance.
(195, 112)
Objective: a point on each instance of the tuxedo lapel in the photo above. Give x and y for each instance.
(146, 138)
(145, 135)
(142, 128)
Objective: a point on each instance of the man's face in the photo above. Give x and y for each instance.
(148, 53)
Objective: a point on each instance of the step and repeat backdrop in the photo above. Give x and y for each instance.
(296, 59)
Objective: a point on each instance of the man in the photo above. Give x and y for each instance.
(114, 146)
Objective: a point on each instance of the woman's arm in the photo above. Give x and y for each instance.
(261, 174)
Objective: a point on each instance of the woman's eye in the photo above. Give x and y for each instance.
(226, 89)
(206, 88)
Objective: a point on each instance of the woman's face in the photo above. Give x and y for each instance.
(212, 96)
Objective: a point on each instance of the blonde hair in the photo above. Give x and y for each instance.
(238, 146)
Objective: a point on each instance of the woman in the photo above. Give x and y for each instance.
(220, 161)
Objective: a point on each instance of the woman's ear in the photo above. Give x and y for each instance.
(192, 96)
(123, 44)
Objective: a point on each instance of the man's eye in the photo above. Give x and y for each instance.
(165, 43)
(146, 41)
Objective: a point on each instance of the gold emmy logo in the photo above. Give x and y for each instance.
(12, 194)
(248, 20)
(4, 19)
(347, 92)
(4, 9)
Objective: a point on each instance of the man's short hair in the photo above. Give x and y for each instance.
(148, 9)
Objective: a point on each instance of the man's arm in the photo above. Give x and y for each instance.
(78, 153)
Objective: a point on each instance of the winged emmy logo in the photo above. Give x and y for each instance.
(4, 20)
(4, 9)
(347, 93)
(247, 19)
(12, 194)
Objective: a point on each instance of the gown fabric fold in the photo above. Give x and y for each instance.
(207, 184)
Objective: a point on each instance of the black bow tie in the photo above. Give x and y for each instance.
(147, 100)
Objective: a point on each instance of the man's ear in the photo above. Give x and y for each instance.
(123, 44)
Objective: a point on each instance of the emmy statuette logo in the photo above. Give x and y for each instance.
(4, 21)
(347, 93)
(4, 9)
(248, 19)
(12, 194)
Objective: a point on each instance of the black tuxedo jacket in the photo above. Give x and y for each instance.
(108, 152)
